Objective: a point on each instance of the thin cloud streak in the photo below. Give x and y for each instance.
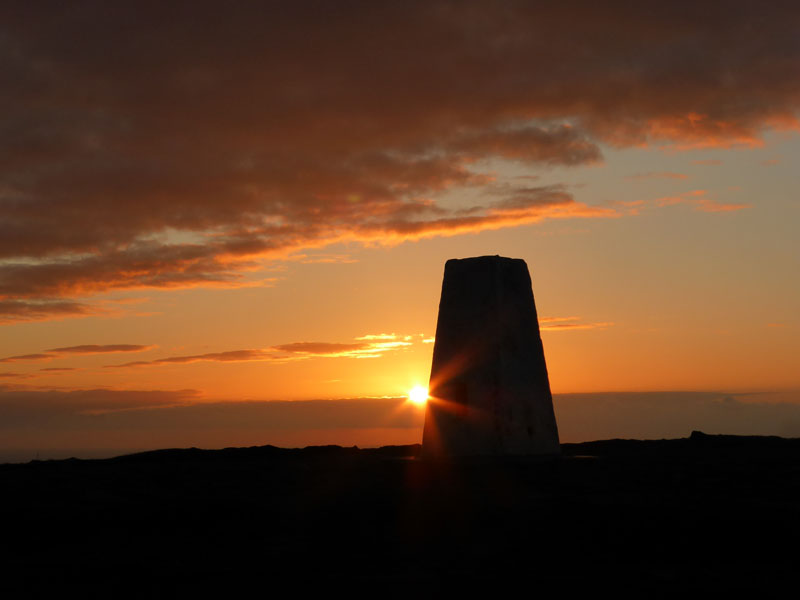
(569, 324)
(101, 349)
(27, 357)
(377, 346)
(657, 175)
(54, 353)
(229, 356)
(576, 326)
(712, 206)
(699, 201)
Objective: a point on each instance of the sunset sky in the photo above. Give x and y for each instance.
(208, 207)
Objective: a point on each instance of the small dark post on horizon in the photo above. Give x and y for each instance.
(489, 390)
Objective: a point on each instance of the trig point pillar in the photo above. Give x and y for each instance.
(489, 391)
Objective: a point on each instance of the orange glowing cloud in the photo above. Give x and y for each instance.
(231, 162)
(377, 346)
(698, 201)
(229, 356)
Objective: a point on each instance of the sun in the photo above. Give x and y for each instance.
(418, 395)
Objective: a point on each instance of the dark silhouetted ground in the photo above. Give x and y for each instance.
(706, 514)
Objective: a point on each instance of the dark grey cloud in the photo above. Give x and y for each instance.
(265, 128)
(52, 410)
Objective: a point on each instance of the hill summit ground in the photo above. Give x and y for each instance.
(705, 513)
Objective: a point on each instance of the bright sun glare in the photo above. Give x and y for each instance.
(418, 394)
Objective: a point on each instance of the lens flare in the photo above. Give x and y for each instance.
(418, 395)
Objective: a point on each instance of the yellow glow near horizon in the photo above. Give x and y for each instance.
(418, 395)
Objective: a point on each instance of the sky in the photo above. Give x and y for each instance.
(209, 212)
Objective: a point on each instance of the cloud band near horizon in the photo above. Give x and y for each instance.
(62, 421)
